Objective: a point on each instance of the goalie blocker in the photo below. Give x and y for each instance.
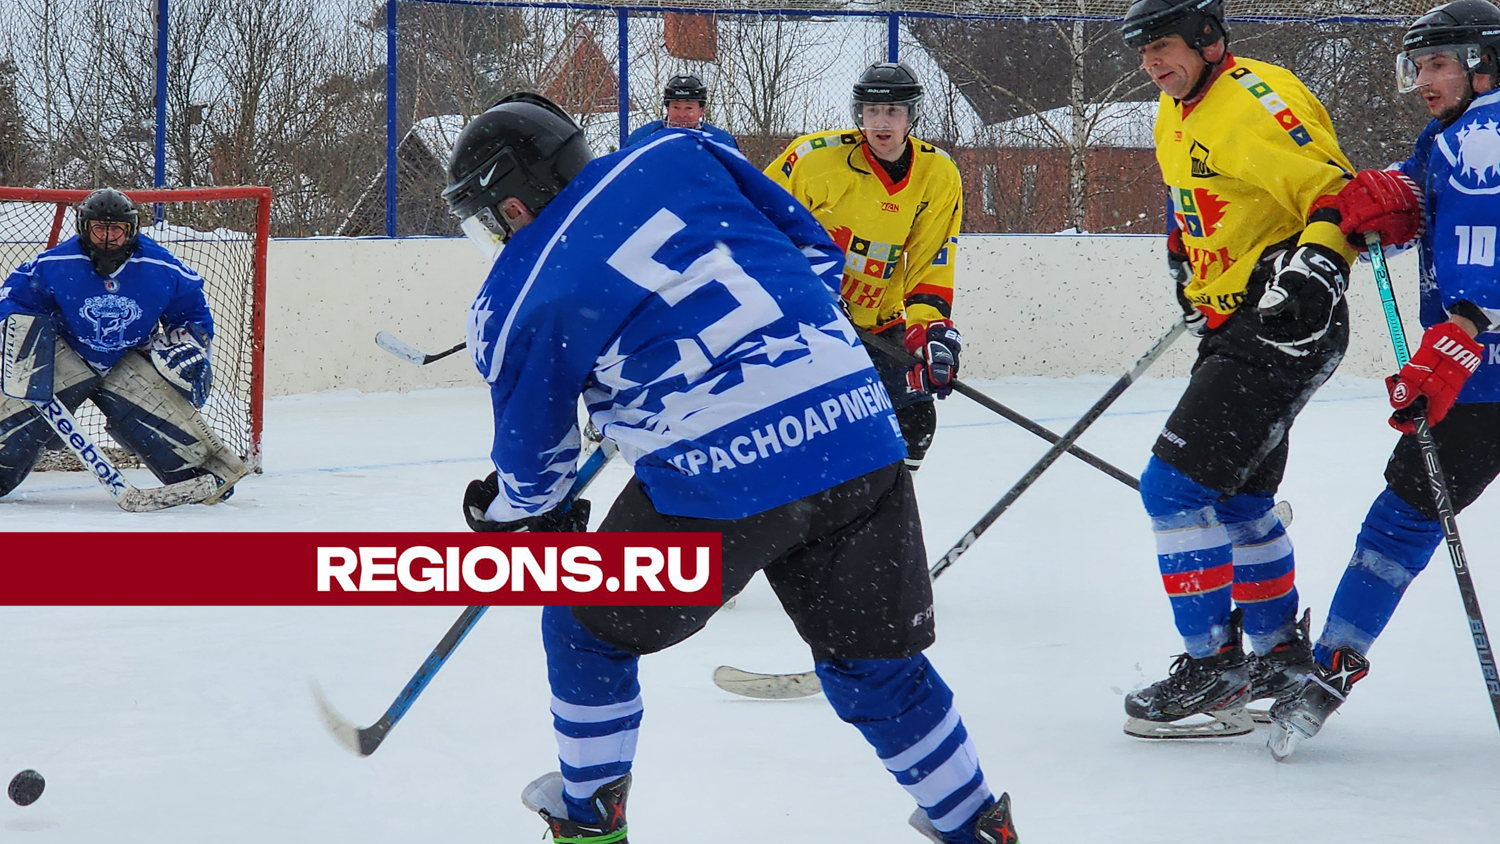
(144, 412)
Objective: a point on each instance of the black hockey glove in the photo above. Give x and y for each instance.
(568, 517)
(1180, 267)
(1297, 306)
(937, 345)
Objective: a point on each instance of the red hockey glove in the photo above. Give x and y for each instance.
(1386, 202)
(937, 344)
(1432, 380)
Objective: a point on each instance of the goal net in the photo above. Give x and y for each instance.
(222, 234)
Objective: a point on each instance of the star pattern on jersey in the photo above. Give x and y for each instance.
(1479, 151)
(479, 316)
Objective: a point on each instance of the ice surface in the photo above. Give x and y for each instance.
(196, 725)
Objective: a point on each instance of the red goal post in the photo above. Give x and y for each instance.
(223, 234)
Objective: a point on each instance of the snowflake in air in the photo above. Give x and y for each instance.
(1479, 150)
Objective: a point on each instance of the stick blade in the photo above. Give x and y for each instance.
(767, 686)
(191, 491)
(342, 728)
(392, 344)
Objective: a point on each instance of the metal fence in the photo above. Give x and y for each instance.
(348, 108)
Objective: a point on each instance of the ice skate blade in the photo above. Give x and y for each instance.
(544, 794)
(767, 686)
(1259, 714)
(921, 823)
(1225, 724)
(1283, 741)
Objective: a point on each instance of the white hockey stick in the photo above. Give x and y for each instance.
(752, 684)
(130, 498)
(393, 344)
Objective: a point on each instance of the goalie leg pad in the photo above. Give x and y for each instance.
(154, 420)
(24, 435)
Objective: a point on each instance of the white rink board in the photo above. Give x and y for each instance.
(190, 725)
(1048, 305)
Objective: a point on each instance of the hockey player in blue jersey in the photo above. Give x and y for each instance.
(684, 106)
(1451, 57)
(693, 305)
(133, 332)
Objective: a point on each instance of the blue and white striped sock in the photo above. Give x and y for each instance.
(596, 708)
(905, 711)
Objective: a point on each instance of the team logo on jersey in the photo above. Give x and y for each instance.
(1199, 156)
(1476, 168)
(1197, 211)
(1273, 103)
(867, 257)
(111, 317)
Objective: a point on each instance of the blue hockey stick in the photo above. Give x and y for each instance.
(1441, 500)
(365, 740)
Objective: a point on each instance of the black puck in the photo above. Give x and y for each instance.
(26, 787)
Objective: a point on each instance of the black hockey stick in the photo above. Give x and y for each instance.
(1057, 449)
(1440, 497)
(902, 356)
(366, 740)
(803, 684)
(391, 343)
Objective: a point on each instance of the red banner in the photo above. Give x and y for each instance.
(369, 569)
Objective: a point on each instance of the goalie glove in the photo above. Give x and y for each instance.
(1297, 306)
(1432, 380)
(937, 344)
(571, 516)
(181, 356)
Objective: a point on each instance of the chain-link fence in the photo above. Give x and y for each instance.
(348, 108)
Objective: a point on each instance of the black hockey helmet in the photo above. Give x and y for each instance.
(110, 206)
(685, 87)
(891, 83)
(1471, 27)
(524, 146)
(1199, 22)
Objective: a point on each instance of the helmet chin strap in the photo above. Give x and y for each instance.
(1203, 77)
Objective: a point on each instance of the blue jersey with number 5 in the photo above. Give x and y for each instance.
(693, 304)
(1459, 168)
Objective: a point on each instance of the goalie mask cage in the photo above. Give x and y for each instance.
(222, 233)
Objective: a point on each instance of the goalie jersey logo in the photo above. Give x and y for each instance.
(702, 340)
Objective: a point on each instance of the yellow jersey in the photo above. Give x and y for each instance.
(1245, 166)
(899, 240)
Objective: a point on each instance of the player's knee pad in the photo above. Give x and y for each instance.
(1164, 490)
(1248, 517)
(1396, 533)
(154, 420)
(918, 425)
(869, 690)
(24, 434)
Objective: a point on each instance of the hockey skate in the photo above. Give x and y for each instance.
(545, 797)
(1300, 715)
(1201, 698)
(1280, 673)
(993, 827)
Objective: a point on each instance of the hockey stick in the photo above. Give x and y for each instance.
(132, 499)
(391, 343)
(366, 740)
(803, 684)
(1440, 497)
(902, 356)
(1057, 449)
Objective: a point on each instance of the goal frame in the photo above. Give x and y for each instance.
(63, 198)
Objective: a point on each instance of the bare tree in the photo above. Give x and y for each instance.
(767, 68)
